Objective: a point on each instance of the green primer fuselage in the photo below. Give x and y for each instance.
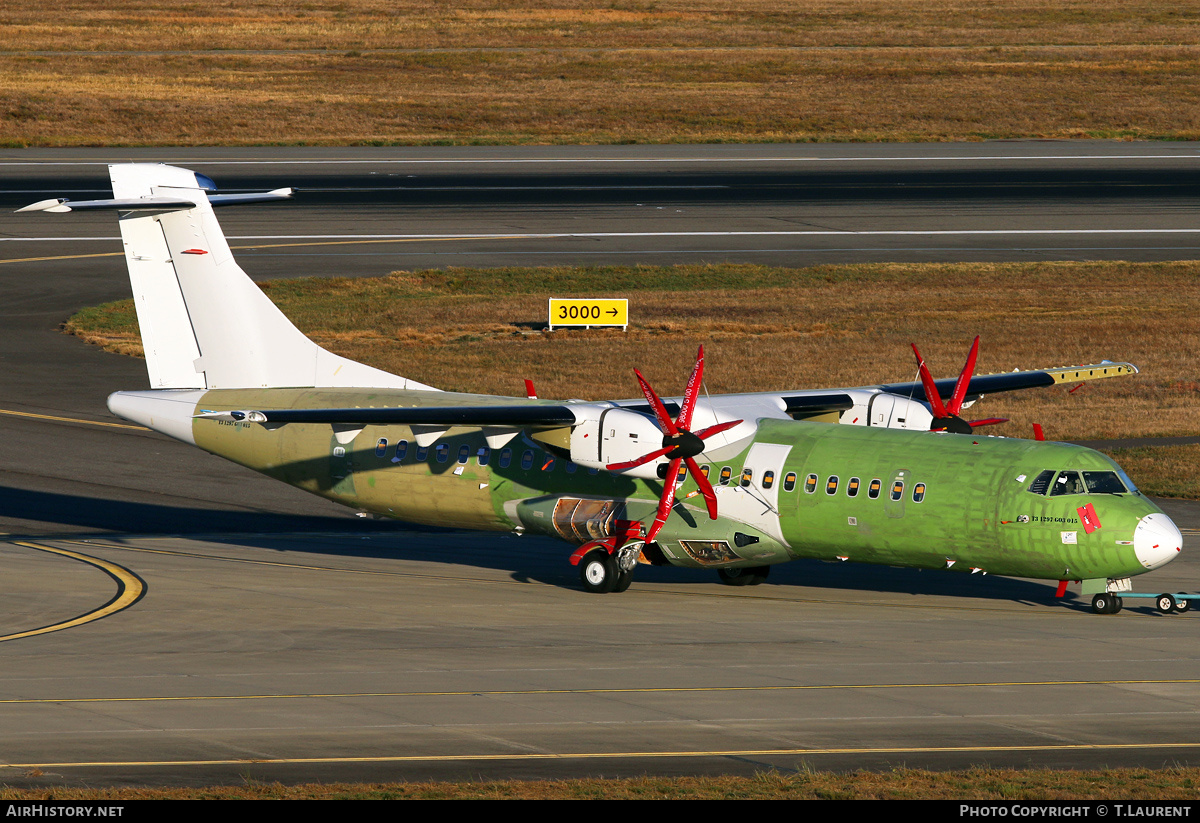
(943, 500)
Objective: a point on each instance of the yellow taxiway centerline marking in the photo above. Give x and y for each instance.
(130, 589)
(73, 420)
(646, 690)
(417, 758)
(63, 257)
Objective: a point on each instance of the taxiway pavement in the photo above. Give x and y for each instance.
(268, 634)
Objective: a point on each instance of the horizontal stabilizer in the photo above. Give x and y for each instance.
(61, 205)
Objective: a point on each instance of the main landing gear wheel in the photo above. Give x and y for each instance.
(744, 577)
(1106, 603)
(1166, 603)
(598, 573)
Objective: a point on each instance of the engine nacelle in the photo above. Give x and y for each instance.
(616, 435)
(888, 411)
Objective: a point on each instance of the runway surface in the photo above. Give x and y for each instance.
(209, 625)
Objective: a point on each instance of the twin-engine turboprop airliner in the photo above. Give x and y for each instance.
(734, 483)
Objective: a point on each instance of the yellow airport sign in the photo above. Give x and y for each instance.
(588, 312)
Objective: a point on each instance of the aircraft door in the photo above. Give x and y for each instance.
(753, 498)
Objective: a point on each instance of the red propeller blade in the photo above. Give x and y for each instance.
(931, 392)
(684, 421)
(706, 489)
(660, 411)
(666, 502)
(704, 434)
(964, 380)
(641, 461)
(989, 421)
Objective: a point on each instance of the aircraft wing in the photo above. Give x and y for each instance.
(1015, 380)
(795, 404)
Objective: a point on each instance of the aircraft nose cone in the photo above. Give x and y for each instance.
(1156, 540)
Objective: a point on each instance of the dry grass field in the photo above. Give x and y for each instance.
(481, 330)
(135, 72)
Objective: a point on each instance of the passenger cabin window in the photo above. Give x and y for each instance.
(381, 447)
(527, 460)
(897, 489)
(726, 474)
(873, 489)
(810, 483)
(747, 476)
(505, 458)
(768, 479)
(831, 484)
(443, 452)
(422, 453)
(1041, 483)
(464, 453)
(681, 474)
(789, 482)
(483, 455)
(1067, 483)
(548, 466)
(918, 492)
(852, 487)
(704, 470)
(401, 451)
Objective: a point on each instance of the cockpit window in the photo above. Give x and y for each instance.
(1042, 482)
(1127, 482)
(1104, 483)
(1067, 483)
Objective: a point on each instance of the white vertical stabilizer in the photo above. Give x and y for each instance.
(204, 323)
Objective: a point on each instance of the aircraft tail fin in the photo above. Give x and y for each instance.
(204, 323)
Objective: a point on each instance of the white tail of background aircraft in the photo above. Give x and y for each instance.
(204, 323)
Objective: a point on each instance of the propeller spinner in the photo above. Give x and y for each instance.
(680, 445)
(946, 416)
